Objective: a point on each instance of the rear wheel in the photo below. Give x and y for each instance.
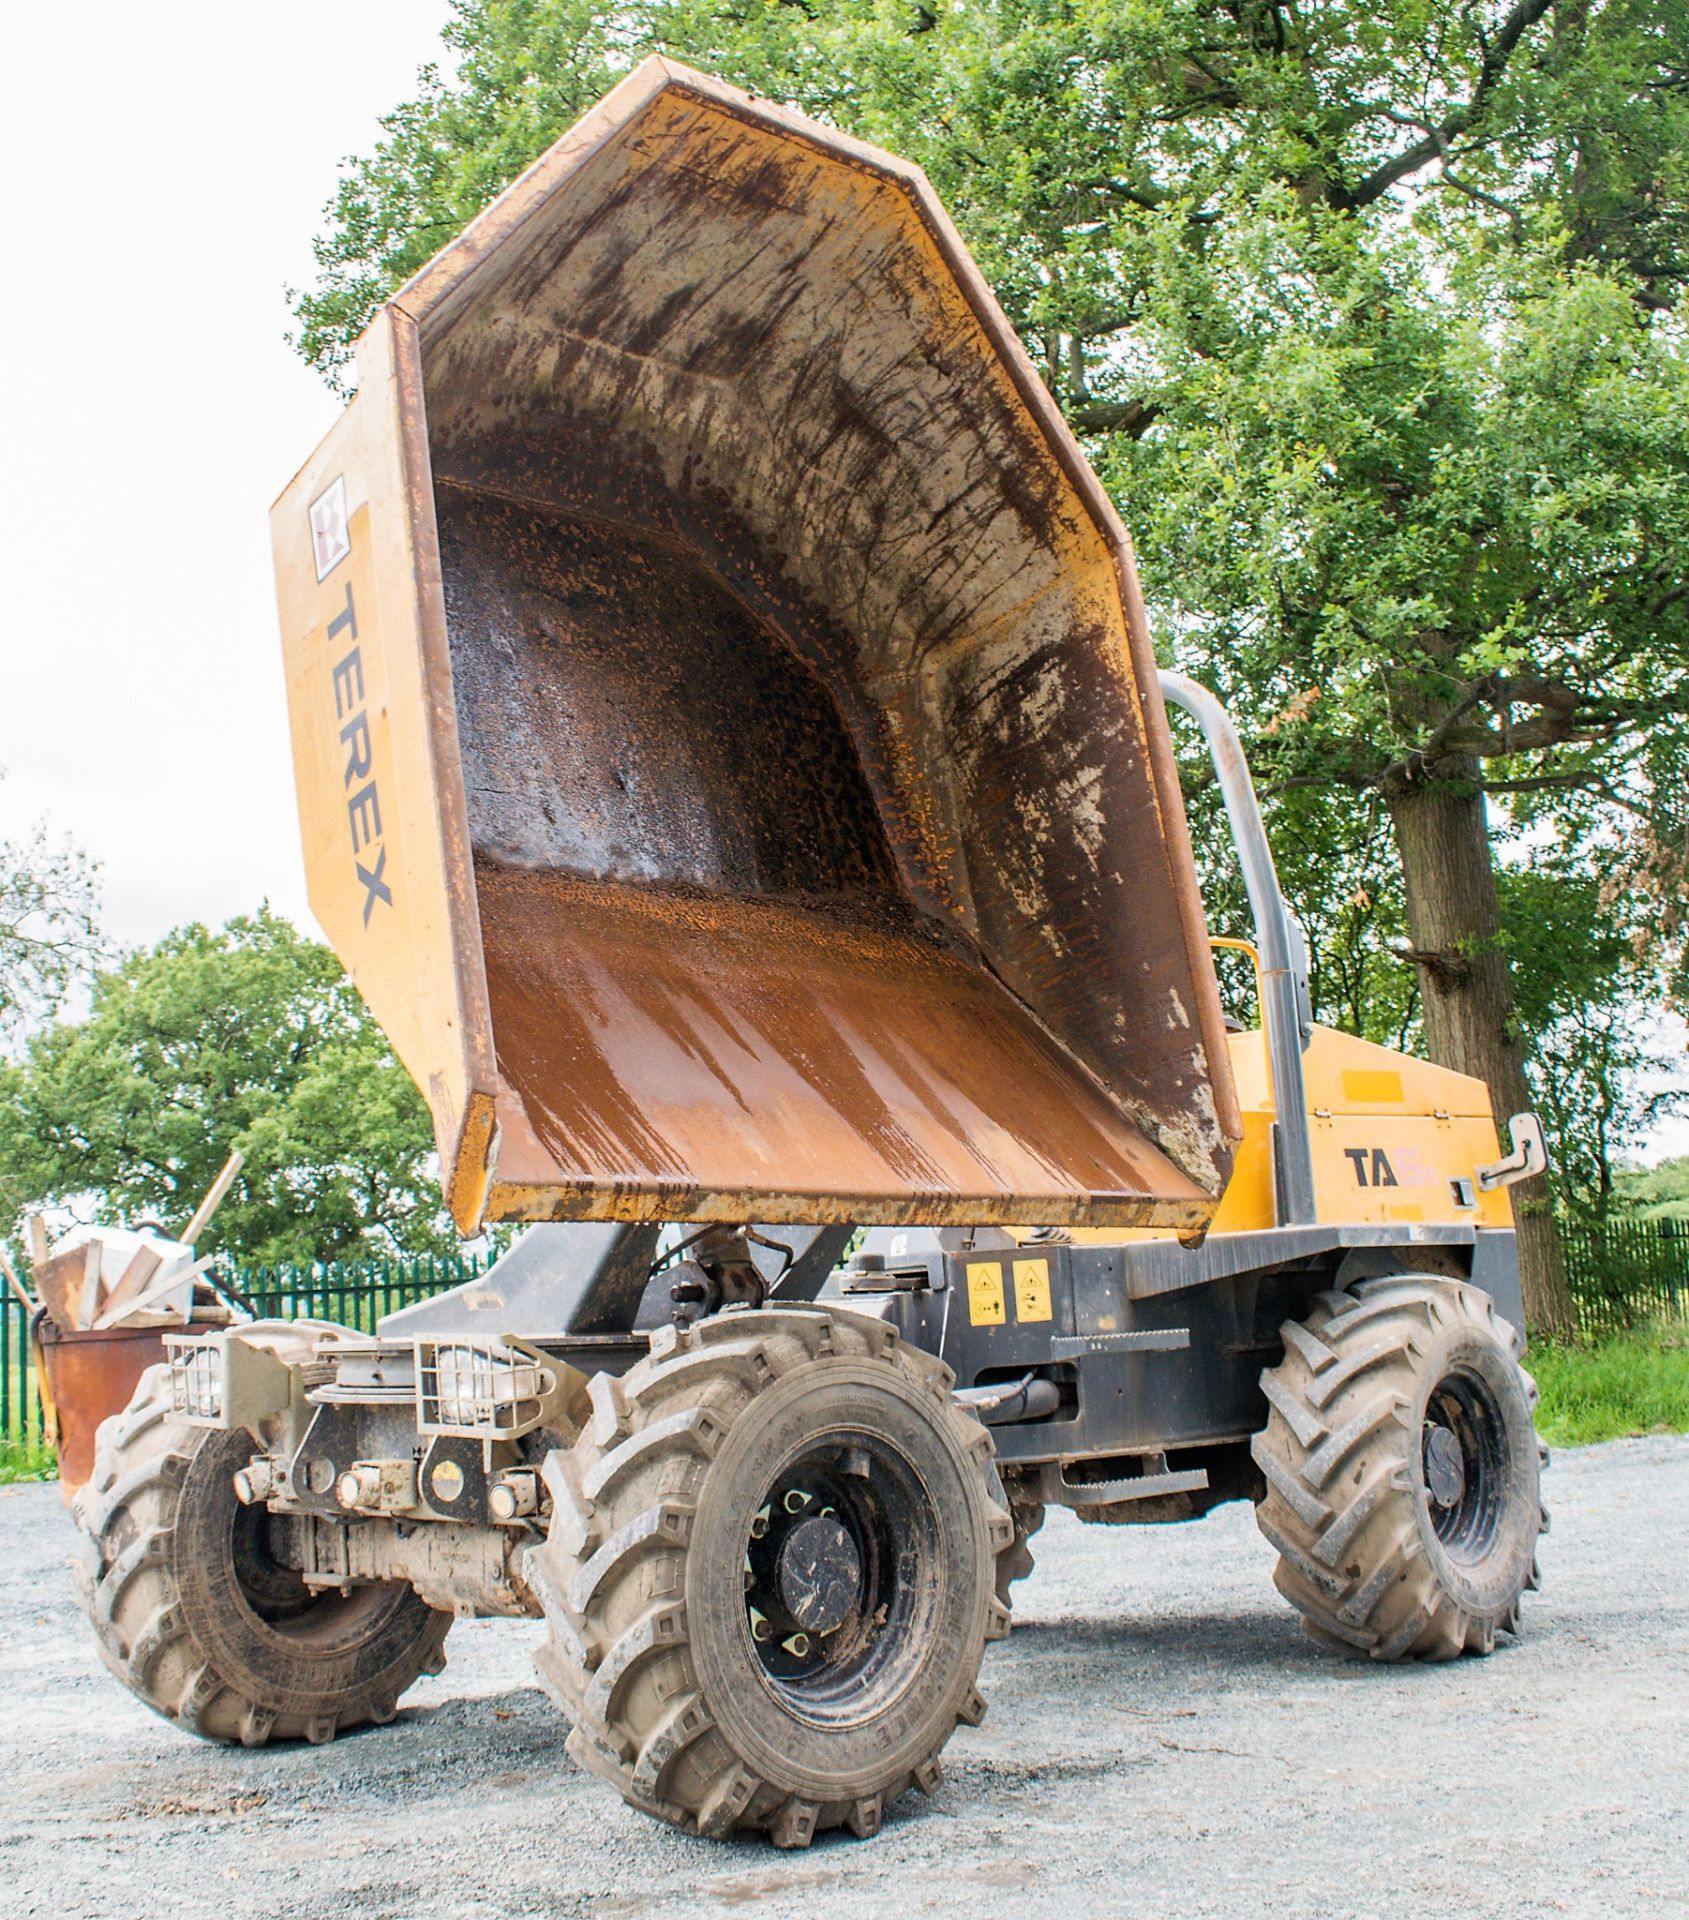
(200, 1618)
(770, 1574)
(1402, 1470)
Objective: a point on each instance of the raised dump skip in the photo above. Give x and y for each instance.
(727, 742)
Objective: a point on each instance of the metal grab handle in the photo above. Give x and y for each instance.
(1528, 1158)
(1284, 949)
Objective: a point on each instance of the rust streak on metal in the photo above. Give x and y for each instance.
(858, 1054)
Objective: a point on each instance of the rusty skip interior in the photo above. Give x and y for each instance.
(820, 853)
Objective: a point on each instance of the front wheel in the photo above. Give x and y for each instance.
(201, 1620)
(770, 1574)
(1402, 1470)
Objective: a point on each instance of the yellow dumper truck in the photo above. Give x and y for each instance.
(733, 766)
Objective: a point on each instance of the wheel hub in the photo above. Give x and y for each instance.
(1445, 1465)
(1466, 1464)
(819, 1573)
(832, 1573)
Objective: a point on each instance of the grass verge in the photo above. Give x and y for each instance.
(1613, 1388)
(26, 1460)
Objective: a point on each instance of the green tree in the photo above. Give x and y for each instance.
(1589, 989)
(1369, 312)
(250, 1037)
(50, 938)
(1448, 534)
(1658, 1193)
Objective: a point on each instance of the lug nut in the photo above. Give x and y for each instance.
(760, 1629)
(797, 1645)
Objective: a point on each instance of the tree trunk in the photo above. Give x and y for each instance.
(1454, 920)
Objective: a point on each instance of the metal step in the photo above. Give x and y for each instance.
(1147, 1486)
(1069, 1346)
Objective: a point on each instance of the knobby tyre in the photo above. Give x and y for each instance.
(202, 1621)
(1015, 1565)
(1403, 1470)
(771, 1573)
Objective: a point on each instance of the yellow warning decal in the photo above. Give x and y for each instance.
(1032, 1290)
(985, 1293)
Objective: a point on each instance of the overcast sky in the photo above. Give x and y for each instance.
(169, 167)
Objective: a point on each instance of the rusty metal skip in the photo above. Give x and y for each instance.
(707, 628)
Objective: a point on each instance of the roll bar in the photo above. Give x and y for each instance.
(1286, 1016)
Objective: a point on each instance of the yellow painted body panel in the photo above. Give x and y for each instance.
(370, 806)
(1390, 1135)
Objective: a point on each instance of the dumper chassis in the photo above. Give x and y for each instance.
(771, 1506)
(771, 1544)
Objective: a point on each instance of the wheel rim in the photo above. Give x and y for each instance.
(1465, 1462)
(280, 1602)
(841, 1575)
(275, 1592)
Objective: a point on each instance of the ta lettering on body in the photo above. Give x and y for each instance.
(1365, 1159)
(363, 799)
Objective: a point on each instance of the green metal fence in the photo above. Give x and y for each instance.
(1626, 1273)
(353, 1293)
(1623, 1273)
(20, 1405)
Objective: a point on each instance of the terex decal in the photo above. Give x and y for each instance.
(363, 802)
(331, 538)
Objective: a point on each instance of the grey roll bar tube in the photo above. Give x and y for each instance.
(1282, 946)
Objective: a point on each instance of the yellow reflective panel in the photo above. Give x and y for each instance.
(985, 1293)
(1032, 1290)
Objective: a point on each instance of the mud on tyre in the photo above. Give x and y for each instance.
(771, 1574)
(1402, 1469)
(1016, 1565)
(198, 1618)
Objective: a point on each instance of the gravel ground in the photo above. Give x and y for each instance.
(1161, 1739)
